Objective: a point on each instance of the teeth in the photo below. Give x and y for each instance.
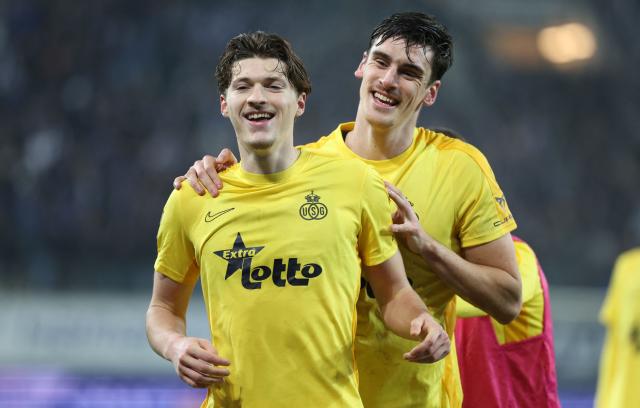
(262, 115)
(384, 98)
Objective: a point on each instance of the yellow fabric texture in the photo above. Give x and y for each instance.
(529, 322)
(459, 203)
(619, 374)
(279, 260)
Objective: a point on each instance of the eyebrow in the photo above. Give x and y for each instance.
(267, 78)
(386, 56)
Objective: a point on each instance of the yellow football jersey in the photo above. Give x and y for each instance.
(279, 260)
(529, 322)
(459, 203)
(620, 361)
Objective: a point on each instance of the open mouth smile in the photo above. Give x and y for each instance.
(258, 117)
(384, 100)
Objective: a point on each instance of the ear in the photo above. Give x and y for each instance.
(302, 101)
(359, 71)
(223, 106)
(432, 93)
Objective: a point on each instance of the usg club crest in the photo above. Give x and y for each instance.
(313, 209)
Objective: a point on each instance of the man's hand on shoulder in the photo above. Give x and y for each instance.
(203, 174)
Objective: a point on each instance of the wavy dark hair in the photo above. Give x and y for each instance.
(262, 45)
(418, 29)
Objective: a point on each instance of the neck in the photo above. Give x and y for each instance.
(269, 160)
(380, 143)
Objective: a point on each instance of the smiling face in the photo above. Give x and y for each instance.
(261, 103)
(395, 83)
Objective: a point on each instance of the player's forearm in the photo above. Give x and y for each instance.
(491, 289)
(400, 310)
(164, 328)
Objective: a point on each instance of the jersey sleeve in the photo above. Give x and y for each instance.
(176, 254)
(528, 267)
(465, 309)
(376, 243)
(482, 212)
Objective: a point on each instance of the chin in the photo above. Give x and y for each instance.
(378, 120)
(257, 140)
(261, 144)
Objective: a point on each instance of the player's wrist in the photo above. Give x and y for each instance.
(172, 350)
(429, 248)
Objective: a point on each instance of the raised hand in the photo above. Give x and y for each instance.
(406, 225)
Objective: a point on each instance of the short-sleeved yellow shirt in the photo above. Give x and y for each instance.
(459, 203)
(279, 259)
(619, 375)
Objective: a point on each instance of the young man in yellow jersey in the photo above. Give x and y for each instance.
(279, 255)
(619, 374)
(457, 239)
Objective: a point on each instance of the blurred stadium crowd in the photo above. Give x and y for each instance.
(103, 103)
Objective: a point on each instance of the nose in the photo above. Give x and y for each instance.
(257, 96)
(390, 78)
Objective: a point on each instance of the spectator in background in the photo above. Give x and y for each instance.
(619, 376)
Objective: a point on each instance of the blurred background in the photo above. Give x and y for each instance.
(103, 103)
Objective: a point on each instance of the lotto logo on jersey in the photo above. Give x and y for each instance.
(281, 273)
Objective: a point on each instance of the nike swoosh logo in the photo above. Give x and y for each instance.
(210, 217)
